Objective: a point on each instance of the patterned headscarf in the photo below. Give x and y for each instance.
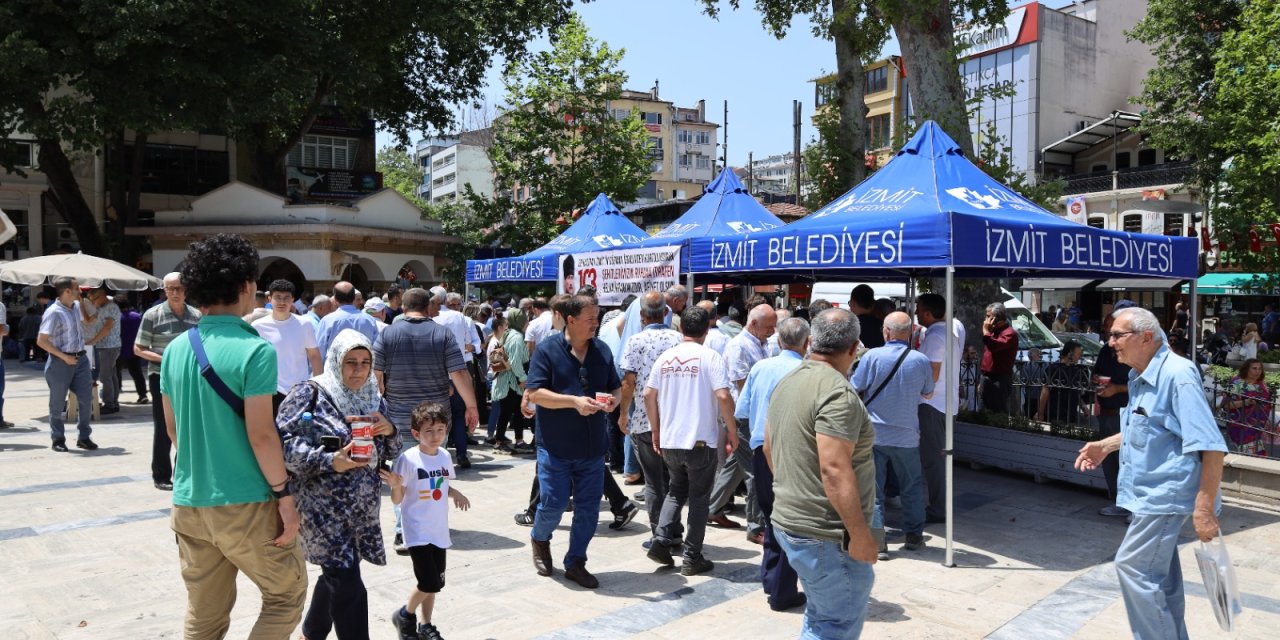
(516, 319)
(351, 402)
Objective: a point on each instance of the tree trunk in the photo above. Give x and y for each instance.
(264, 165)
(851, 82)
(927, 37)
(70, 202)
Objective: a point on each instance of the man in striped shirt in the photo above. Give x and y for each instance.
(160, 325)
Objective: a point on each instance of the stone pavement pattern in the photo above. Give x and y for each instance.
(88, 554)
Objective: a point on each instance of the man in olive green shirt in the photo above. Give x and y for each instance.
(818, 441)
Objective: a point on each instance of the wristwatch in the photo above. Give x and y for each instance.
(283, 493)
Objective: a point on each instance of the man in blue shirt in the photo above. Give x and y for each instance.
(346, 316)
(777, 576)
(1171, 455)
(566, 373)
(893, 380)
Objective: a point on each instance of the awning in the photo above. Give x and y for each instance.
(1054, 284)
(1231, 284)
(1063, 152)
(1137, 284)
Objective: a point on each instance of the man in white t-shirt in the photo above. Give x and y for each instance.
(686, 395)
(539, 326)
(931, 312)
(297, 356)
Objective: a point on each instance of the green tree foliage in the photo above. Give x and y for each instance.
(560, 139)
(1213, 97)
(401, 171)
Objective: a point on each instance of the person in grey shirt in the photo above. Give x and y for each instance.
(102, 332)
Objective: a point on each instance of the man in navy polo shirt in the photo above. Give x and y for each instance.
(566, 373)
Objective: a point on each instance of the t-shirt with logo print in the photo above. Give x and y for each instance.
(686, 377)
(425, 505)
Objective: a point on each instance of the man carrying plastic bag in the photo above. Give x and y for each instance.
(1171, 454)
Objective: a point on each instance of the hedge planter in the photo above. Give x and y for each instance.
(1042, 456)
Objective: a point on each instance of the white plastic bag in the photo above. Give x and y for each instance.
(1220, 582)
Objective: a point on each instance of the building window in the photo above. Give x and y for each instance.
(1146, 157)
(179, 170)
(1122, 160)
(703, 137)
(704, 162)
(684, 160)
(825, 93)
(684, 135)
(1099, 168)
(444, 162)
(22, 241)
(1133, 223)
(878, 135)
(325, 152)
(1098, 222)
(656, 167)
(651, 118)
(877, 80)
(1173, 224)
(23, 152)
(621, 114)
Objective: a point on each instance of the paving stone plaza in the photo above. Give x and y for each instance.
(88, 554)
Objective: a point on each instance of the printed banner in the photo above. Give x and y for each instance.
(1077, 211)
(618, 274)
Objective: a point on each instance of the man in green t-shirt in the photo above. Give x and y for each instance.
(230, 491)
(818, 441)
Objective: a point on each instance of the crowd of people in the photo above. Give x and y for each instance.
(288, 416)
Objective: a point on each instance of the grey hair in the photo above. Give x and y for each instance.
(525, 302)
(896, 326)
(678, 291)
(175, 276)
(997, 309)
(439, 294)
(792, 333)
(834, 331)
(453, 297)
(653, 306)
(1141, 319)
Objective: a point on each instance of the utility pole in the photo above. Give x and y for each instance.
(795, 158)
(726, 134)
(751, 173)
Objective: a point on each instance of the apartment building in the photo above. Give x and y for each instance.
(682, 144)
(886, 98)
(451, 163)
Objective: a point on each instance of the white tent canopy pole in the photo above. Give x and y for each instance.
(949, 557)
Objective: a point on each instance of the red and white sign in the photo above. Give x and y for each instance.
(1077, 211)
(620, 273)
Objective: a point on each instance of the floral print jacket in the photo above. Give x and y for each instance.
(339, 510)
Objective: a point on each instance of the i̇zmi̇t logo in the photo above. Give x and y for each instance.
(678, 367)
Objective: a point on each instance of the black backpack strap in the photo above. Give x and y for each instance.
(206, 370)
(887, 378)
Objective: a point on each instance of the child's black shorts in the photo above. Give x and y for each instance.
(428, 567)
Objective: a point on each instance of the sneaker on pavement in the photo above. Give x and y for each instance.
(524, 519)
(693, 567)
(60, 446)
(660, 553)
(1113, 511)
(398, 545)
(628, 514)
(87, 444)
(638, 497)
(406, 624)
(429, 631)
(914, 541)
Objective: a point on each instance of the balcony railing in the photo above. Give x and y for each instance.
(1132, 178)
(655, 154)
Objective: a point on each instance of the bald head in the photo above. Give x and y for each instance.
(710, 307)
(898, 326)
(344, 293)
(761, 321)
(172, 279)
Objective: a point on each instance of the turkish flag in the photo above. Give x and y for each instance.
(1255, 241)
(1206, 244)
(1275, 231)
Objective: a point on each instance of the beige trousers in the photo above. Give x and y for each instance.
(215, 544)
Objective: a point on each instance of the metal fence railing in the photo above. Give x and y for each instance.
(1249, 417)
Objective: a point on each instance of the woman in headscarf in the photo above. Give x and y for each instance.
(338, 496)
(509, 385)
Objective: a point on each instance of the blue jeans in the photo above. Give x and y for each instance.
(906, 466)
(2, 374)
(630, 462)
(837, 586)
(1151, 577)
(77, 379)
(559, 478)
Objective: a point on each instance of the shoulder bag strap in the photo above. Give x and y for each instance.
(875, 394)
(206, 370)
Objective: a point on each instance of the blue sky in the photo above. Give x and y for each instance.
(695, 57)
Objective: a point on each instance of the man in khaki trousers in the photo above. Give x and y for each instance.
(232, 511)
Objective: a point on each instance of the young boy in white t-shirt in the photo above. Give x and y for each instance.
(420, 484)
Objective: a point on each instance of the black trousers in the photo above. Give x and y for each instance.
(616, 456)
(161, 445)
(995, 391)
(134, 365)
(339, 602)
(776, 575)
(1109, 426)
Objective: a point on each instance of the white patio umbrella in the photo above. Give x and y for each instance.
(89, 271)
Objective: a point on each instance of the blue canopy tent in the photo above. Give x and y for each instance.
(930, 211)
(600, 227)
(725, 209)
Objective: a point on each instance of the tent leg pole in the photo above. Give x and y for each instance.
(1193, 327)
(949, 556)
(689, 286)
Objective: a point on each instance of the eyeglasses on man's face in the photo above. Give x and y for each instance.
(1117, 335)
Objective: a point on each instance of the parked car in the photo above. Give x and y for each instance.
(1092, 346)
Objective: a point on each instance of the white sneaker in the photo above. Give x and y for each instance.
(1113, 511)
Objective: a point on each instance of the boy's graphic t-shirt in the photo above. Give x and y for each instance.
(425, 506)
